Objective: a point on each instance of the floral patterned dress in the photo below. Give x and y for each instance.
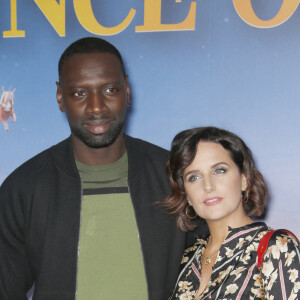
(235, 274)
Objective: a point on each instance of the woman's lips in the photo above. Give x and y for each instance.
(212, 201)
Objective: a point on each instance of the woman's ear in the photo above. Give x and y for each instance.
(244, 183)
(188, 201)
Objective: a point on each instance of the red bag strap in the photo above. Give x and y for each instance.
(263, 245)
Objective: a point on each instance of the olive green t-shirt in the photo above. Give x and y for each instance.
(110, 262)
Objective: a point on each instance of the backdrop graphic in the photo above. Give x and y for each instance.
(228, 63)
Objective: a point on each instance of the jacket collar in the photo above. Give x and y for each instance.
(64, 157)
(135, 155)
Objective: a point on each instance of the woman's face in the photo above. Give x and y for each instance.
(214, 184)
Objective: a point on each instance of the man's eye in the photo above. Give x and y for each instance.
(110, 90)
(220, 171)
(79, 93)
(193, 178)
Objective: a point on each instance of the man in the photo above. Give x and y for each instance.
(79, 220)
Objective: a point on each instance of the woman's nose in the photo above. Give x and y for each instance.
(208, 184)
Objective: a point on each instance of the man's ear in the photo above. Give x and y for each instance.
(59, 98)
(128, 91)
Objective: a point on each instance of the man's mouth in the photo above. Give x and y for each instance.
(97, 126)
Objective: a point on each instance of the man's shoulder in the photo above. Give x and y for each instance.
(139, 146)
(31, 168)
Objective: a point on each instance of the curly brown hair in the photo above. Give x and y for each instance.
(183, 152)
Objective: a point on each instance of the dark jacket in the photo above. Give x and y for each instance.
(40, 220)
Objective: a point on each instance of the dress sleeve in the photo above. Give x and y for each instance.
(281, 268)
(15, 272)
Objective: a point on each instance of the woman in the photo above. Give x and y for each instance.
(213, 176)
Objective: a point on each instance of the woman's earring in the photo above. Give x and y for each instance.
(245, 196)
(188, 209)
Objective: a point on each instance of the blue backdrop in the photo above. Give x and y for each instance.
(225, 72)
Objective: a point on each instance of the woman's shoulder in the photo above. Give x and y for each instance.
(282, 253)
(281, 265)
(282, 241)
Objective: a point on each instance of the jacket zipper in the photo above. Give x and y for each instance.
(76, 286)
(144, 261)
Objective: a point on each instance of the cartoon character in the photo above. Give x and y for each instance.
(7, 107)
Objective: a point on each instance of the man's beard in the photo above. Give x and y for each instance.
(97, 140)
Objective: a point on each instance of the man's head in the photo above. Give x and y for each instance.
(89, 45)
(93, 91)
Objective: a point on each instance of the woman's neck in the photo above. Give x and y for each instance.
(219, 230)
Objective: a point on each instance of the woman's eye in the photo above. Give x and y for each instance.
(193, 178)
(220, 171)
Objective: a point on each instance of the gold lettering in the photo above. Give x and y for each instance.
(55, 13)
(152, 18)
(13, 32)
(86, 18)
(245, 11)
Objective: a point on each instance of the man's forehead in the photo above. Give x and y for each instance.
(77, 58)
(83, 63)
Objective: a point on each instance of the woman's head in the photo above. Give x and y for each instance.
(211, 140)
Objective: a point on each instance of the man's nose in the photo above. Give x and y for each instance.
(96, 103)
